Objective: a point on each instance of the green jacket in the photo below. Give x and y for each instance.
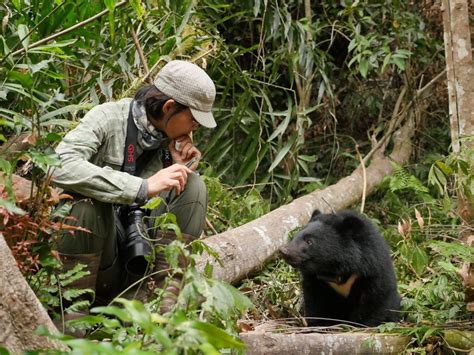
(92, 155)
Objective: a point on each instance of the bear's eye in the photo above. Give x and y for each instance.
(309, 242)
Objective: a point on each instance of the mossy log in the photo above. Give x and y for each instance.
(460, 340)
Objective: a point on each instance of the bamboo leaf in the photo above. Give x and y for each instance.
(281, 154)
(23, 35)
(284, 124)
(63, 110)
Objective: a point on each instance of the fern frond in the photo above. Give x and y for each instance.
(403, 180)
(78, 306)
(74, 293)
(72, 275)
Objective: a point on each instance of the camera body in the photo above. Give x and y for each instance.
(134, 244)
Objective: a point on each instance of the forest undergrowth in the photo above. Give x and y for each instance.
(300, 96)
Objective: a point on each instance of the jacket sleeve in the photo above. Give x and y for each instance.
(78, 174)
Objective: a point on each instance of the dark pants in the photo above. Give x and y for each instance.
(102, 221)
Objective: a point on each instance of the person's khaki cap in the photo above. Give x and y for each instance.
(189, 85)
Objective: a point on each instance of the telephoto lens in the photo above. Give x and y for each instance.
(137, 247)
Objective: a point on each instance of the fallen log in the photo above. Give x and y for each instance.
(259, 343)
(243, 250)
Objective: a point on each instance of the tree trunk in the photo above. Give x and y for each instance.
(246, 248)
(323, 343)
(460, 71)
(20, 311)
(457, 43)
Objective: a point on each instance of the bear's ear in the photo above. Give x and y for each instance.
(314, 215)
(351, 224)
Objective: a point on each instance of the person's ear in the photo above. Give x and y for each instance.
(167, 106)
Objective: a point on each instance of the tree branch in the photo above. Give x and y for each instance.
(140, 53)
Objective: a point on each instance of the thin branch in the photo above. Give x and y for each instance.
(140, 53)
(421, 91)
(153, 68)
(212, 48)
(308, 15)
(209, 224)
(67, 30)
(364, 179)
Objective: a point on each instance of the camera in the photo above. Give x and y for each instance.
(136, 245)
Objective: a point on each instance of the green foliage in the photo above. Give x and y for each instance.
(426, 249)
(228, 207)
(203, 319)
(454, 172)
(54, 289)
(295, 95)
(275, 292)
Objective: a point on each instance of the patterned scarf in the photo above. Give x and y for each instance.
(148, 136)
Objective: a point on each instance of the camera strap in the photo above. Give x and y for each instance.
(131, 163)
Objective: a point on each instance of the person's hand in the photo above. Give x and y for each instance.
(172, 177)
(185, 152)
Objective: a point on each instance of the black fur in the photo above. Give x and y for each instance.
(332, 247)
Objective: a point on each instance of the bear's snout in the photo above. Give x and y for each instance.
(289, 257)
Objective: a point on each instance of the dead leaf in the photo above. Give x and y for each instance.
(419, 219)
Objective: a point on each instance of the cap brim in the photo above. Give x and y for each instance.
(205, 119)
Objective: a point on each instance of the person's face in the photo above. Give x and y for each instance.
(176, 124)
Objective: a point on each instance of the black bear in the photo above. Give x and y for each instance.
(348, 275)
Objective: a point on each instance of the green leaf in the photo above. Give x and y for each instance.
(284, 124)
(11, 207)
(121, 314)
(110, 4)
(208, 349)
(138, 312)
(24, 79)
(17, 4)
(34, 68)
(364, 67)
(152, 203)
(444, 168)
(78, 306)
(44, 160)
(241, 302)
(6, 166)
(419, 260)
(281, 154)
(215, 336)
(448, 267)
(453, 249)
(23, 35)
(53, 47)
(399, 62)
(53, 137)
(138, 8)
(386, 60)
(73, 293)
(90, 320)
(63, 110)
